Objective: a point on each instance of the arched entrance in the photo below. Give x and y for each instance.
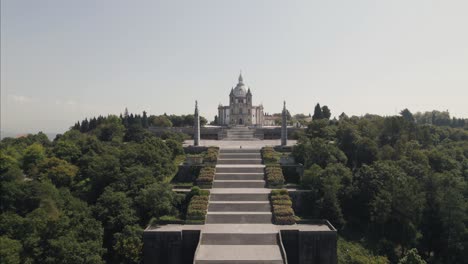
(241, 122)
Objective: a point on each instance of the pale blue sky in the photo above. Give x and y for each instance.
(66, 60)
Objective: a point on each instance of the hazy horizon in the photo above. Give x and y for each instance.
(63, 61)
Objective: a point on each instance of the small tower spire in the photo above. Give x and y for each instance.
(284, 126)
(196, 126)
(241, 80)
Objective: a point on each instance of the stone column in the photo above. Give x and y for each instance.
(284, 126)
(196, 126)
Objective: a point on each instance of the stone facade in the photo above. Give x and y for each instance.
(240, 110)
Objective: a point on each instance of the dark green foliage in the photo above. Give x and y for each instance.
(85, 197)
(128, 245)
(400, 185)
(353, 252)
(269, 155)
(206, 176)
(197, 207)
(283, 214)
(412, 257)
(317, 112)
(10, 251)
(211, 155)
(392, 182)
(175, 120)
(274, 176)
(407, 115)
(326, 113)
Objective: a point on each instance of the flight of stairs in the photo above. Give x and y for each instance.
(237, 133)
(238, 226)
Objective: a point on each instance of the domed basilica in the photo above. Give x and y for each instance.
(240, 110)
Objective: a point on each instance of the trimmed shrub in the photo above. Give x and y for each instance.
(280, 197)
(283, 214)
(284, 220)
(206, 176)
(269, 155)
(197, 207)
(274, 176)
(279, 192)
(211, 155)
(282, 202)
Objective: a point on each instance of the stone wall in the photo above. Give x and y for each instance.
(171, 247)
(310, 247)
(300, 199)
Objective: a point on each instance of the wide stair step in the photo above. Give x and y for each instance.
(242, 169)
(239, 238)
(238, 217)
(239, 156)
(238, 254)
(239, 206)
(239, 150)
(239, 176)
(239, 184)
(239, 197)
(239, 161)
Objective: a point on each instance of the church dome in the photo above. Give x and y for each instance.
(240, 90)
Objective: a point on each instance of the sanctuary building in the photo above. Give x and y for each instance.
(240, 111)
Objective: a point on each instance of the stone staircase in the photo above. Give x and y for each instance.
(237, 133)
(238, 226)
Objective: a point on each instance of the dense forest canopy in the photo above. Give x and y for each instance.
(86, 196)
(390, 185)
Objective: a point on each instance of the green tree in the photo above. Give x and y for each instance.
(354, 253)
(128, 245)
(59, 172)
(155, 201)
(412, 257)
(10, 251)
(67, 150)
(111, 129)
(114, 210)
(326, 113)
(317, 112)
(32, 156)
(160, 121)
(407, 115)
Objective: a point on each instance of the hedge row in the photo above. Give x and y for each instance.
(283, 214)
(211, 155)
(274, 176)
(269, 155)
(197, 207)
(206, 176)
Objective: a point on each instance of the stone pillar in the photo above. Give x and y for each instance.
(284, 126)
(196, 126)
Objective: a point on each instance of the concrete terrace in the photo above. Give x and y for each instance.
(253, 144)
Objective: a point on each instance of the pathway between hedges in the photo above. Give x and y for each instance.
(239, 225)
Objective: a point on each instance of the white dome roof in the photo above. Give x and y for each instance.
(240, 90)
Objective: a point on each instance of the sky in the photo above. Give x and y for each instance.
(64, 60)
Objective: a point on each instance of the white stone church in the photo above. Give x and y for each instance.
(240, 110)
